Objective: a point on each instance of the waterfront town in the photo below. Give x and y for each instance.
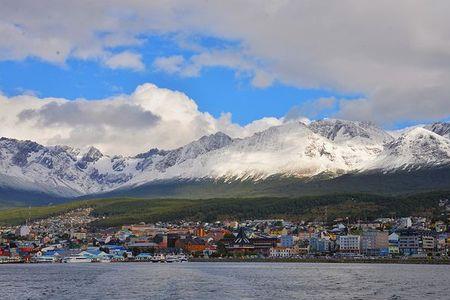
(69, 238)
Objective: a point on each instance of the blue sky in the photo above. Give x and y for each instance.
(216, 89)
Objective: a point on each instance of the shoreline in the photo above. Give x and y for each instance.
(334, 261)
(276, 260)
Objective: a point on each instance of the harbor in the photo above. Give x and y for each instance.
(72, 238)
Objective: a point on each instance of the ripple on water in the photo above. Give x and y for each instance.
(224, 281)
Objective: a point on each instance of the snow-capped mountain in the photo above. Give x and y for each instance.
(290, 149)
(440, 128)
(67, 171)
(343, 131)
(294, 150)
(363, 140)
(414, 149)
(58, 169)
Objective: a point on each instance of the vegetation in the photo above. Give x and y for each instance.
(389, 184)
(118, 211)
(20, 215)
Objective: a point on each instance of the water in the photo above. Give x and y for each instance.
(224, 281)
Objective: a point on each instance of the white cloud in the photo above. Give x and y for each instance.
(125, 60)
(312, 108)
(170, 64)
(226, 58)
(262, 79)
(128, 124)
(398, 56)
(225, 124)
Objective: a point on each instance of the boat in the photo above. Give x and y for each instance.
(158, 258)
(77, 259)
(182, 258)
(176, 258)
(170, 258)
(46, 259)
(101, 260)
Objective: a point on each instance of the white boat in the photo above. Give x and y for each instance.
(104, 260)
(171, 258)
(176, 258)
(46, 259)
(77, 259)
(101, 260)
(182, 258)
(158, 258)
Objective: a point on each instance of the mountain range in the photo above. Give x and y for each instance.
(294, 158)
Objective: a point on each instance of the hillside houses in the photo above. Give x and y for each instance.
(69, 237)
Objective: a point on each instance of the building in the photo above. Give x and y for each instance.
(375, 243)
(210, 250)
(409, 244)
(281, 252)
(286, 241)
(262, 244)
(191, 244)
(428, 244)
(413, 242)
(350, 243)
(23, 230)
(242, 244)
(405, 223)
(304, 235)
(320, 245)
(200, 232)
(79, 235)
(277, 231)
(142, 246)
(216, 234)
(141, 230)
(393, 244)
(441, 244)
(161, 240)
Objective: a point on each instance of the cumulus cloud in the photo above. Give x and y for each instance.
(398, 56)
(125, 60)
(90, 114)
(127, 124)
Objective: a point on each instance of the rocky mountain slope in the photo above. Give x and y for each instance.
(323, 149)
(440, 128)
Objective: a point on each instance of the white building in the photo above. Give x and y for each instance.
(350, 243)
(281, 252)
(23, 230)
(405, 222)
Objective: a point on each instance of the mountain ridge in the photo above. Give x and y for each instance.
(322, 150)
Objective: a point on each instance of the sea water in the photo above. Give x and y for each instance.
(224, 281)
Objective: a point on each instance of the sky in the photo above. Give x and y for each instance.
(129, 76)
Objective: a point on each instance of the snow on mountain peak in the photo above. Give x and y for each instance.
(91, 155)
(292, 149)
(343, 130)
(414, 149)
(440, 128)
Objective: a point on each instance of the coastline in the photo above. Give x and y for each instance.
(315, 260)
(416, 261)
